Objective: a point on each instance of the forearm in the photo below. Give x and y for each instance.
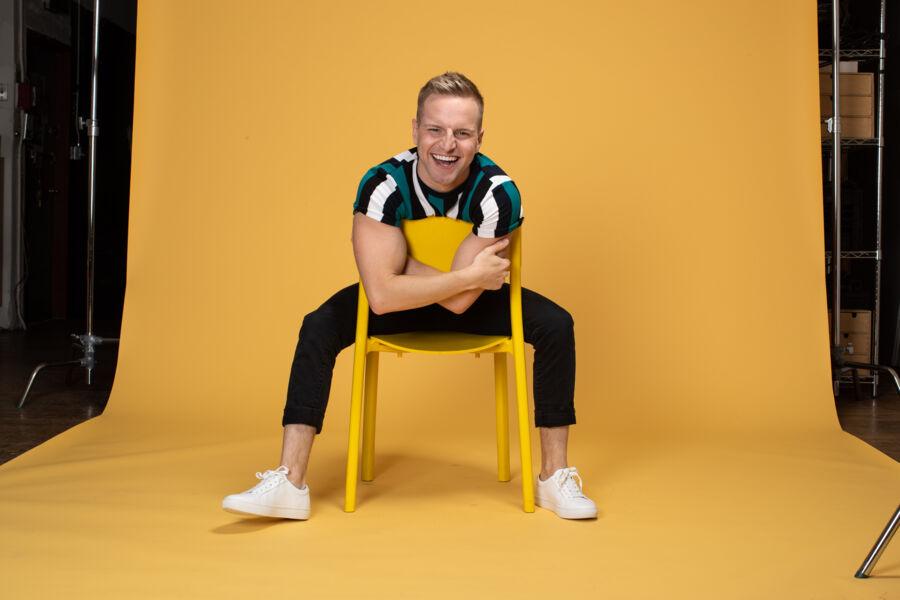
(407, 291)
(457, 303)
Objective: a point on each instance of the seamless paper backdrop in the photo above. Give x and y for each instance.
(668, 158)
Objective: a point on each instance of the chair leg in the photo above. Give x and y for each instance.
(524, 429)
(501, 397)
(369, 408)
(359, 368)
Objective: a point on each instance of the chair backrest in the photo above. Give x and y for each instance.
(434, 241)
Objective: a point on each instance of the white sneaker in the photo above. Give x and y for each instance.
(562, 494)
(274, 496)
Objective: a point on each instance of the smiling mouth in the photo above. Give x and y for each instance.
(444, 160)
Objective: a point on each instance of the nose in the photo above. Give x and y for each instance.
(449, 140)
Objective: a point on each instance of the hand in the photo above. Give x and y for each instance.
(488, 270)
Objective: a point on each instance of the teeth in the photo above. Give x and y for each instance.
(446, 158)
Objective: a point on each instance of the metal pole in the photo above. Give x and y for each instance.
(879, 177)
(880, 544)
(836, 182)
(93, 131)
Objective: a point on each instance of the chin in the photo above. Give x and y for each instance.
(444, 178)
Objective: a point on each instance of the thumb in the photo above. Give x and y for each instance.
(496, 246)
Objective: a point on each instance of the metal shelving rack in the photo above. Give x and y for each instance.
(827, 56)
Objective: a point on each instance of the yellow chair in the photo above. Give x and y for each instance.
(433, 241)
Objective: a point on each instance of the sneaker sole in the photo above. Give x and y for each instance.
(260, 510)
(566, 513)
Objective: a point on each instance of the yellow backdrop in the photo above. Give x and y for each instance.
(668, 157)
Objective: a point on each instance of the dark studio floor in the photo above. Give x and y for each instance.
(53, 406)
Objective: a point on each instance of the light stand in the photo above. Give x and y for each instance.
(87, 342)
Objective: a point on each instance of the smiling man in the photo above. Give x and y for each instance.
(443, 175)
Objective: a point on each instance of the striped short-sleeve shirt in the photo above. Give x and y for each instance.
(488, 199)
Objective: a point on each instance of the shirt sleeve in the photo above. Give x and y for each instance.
(500, 211)
(379, 198)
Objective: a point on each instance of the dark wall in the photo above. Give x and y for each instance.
(56, 210)
(891, 211)
(114, 114)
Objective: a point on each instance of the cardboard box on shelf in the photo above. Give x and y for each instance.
(851, 106)
(845, 66)
(852, 84)
(853, 127)
(856, 344)
(855, 321)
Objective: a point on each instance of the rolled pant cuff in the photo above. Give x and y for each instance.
(303, 416)
(554, 419)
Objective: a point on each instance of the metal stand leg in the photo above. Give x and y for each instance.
(87, 345)
(37, 370)
(883, 540)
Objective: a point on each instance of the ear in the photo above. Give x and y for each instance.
(415, 131)
(480, 138)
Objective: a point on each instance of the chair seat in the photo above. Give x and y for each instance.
(440, 342)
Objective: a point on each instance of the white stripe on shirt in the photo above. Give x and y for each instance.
(379, 196)
(426, 205)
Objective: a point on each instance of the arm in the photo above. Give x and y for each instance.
(465, 256)
(380, 252)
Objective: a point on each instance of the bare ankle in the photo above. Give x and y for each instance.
(546, 472)
(296, 476)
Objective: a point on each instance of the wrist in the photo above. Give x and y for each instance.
(467, 278)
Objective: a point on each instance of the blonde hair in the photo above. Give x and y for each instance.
(451, 83)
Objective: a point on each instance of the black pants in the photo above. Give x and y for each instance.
(332, 327)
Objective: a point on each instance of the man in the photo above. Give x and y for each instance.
(443, 175)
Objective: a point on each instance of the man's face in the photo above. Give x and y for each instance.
(447, 137)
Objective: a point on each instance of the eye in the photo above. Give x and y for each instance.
(463, 134)
(434, 130)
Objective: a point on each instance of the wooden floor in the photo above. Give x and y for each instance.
(55, 405)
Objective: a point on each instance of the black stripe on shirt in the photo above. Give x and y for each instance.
(481, 190)
(391, 204)
(492, 171)
(365, 194)
(504, 203)
(476, 215)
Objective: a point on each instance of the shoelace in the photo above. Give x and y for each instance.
(570, 483)
(269, 479)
